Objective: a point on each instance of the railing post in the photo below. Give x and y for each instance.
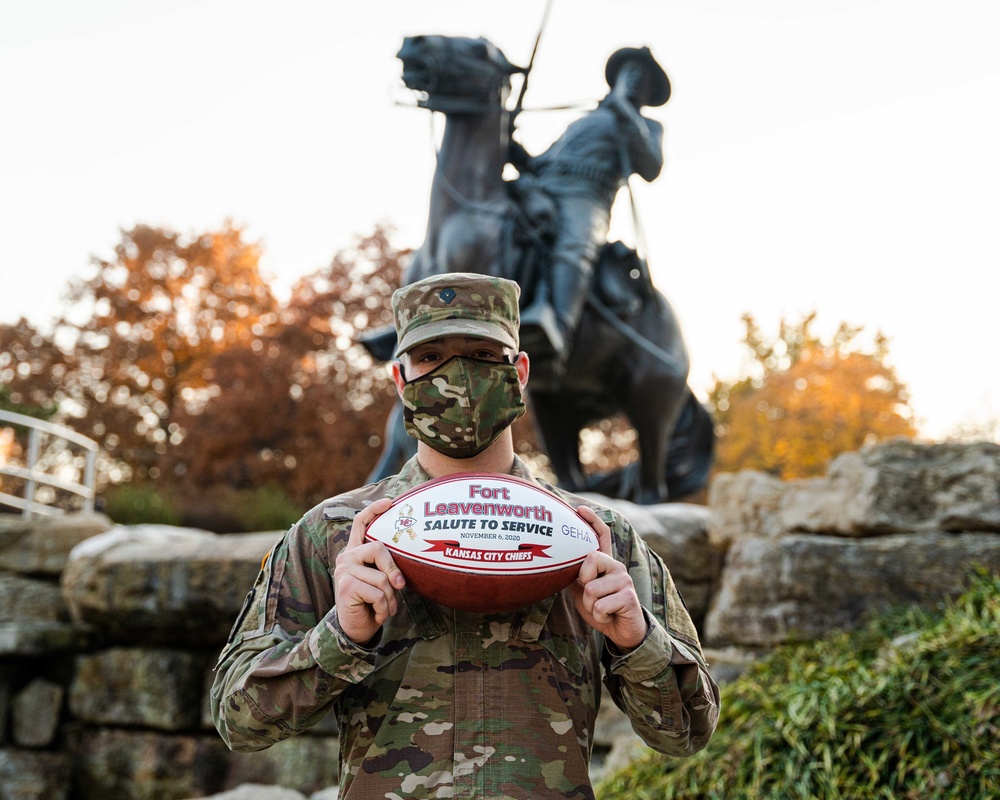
(29, 489)
(88, 479)
(33, 477)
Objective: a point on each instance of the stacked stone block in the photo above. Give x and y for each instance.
(108, 635)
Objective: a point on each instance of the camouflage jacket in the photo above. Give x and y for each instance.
(449, 703)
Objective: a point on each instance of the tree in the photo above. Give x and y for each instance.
(176, 356)
(315, 401)
(31, 370)
(144, 328)
(802, 400)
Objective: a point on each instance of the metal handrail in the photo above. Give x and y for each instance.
(33, 477)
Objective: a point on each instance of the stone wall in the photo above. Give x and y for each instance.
(898, 524)
(108, 635)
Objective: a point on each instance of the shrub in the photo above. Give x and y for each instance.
(907, 707)
(265, 508)
(136, 504)
(224, 510)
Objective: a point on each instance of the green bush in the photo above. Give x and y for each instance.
(136, 504)
(216, 508)
(907, 707)
(222, 509)
(266, 508)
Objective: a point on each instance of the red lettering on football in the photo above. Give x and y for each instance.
(484, 542)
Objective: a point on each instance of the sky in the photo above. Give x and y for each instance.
(838, 157)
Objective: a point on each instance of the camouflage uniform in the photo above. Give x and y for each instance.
(454, 704)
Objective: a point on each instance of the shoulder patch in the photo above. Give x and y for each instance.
(607, 516)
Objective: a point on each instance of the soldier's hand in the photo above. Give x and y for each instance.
(365, 580)
(604, 593)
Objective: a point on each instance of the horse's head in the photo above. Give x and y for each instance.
(455, 73)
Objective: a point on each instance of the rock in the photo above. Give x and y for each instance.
(727, 664)
(612, 724)
(41, 638)
(146, 765)
(896, 487)
(34, 775)
(152, 688)
(36, 712)
(34, 619)
(159, 584)
(678, 533)
(622, 753)
(42, 546)
(959, 484)
(30, 600)
(800, 587)
(256, 791)
(142, 765)
(304, 763)
(743, 504)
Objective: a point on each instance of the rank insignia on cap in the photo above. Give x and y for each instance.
(456, 304)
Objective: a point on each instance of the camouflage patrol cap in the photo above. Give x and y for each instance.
(457, 304)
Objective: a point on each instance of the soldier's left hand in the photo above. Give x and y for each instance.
(604, 593)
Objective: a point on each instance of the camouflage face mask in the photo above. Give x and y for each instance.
(462, 406)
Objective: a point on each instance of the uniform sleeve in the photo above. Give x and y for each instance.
(287, 658)
(663, 684)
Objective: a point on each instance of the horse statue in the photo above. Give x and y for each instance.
(627, 355)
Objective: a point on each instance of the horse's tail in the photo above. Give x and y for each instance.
(692, 450)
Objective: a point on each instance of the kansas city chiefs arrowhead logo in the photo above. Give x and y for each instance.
(404, 524)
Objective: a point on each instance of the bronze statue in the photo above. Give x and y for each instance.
(583, 171)
(546, 230)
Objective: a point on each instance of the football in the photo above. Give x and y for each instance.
(484, 542)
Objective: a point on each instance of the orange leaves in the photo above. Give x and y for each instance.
(175, 354)
(803, 400)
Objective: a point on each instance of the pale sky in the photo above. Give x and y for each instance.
(837, 156)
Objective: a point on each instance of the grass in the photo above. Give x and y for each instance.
(907, 707)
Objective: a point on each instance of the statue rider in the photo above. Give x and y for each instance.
(582, 171)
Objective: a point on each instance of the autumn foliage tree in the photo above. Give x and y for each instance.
(802, 400)
(175, 354)
(144, 328)
(304, 406)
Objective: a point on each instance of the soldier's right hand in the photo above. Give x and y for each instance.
(365, 580)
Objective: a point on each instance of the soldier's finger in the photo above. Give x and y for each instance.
(364, 518)
(384, 563)
(603, 531)
(356, 579)
(383, 605)
(601, 576)
(369, 563)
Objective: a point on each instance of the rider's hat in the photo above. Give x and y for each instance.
(457, 304)
(659, 83)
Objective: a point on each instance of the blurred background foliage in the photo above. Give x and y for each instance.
(802, 399)
(216, 403)
(219, 405)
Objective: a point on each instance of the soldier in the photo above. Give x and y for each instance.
(433, 702)
(583, 171)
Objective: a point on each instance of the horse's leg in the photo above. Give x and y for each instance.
(653, 407)
(559, 429)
